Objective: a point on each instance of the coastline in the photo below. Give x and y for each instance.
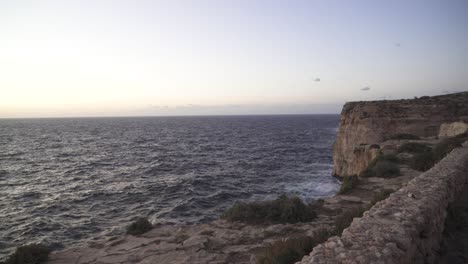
(221, 241)
(363, 140)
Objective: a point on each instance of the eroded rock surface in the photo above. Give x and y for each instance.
(215, 242)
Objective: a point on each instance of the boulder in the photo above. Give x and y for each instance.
(453, 129)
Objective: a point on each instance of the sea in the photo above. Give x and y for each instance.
(65, 181)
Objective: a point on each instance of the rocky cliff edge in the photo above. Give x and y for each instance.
(363, 125)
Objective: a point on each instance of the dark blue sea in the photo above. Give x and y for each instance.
(64, 181)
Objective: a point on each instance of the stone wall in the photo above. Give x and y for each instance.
(366, 123)
(404, 228)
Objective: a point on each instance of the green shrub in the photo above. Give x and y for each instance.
(446, 146)
(387, 157)
(348, 183)
(426, 160)
(382, 166)
(382, 195)
(281, 210)
(346, 218)
(291, 250)
(413, 147)
(423, 161)
(29, 254)
(405, 136)
(139, 227)
(386, 169)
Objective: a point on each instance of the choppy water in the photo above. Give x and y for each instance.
(63, 181)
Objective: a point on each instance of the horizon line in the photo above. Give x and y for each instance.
(149, 116)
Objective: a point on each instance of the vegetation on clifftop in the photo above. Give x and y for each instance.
(414, 147)
(382, 166)
(291, 250)
(282, 210)
(425, 160)
(447, 145)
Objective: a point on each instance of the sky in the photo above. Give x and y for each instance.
(213, 57)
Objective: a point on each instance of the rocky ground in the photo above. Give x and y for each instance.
(221, 241)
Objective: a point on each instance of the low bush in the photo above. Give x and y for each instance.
(405, 136)
(426, 160)
(423, 161)
(29, 254)
(139, 227)
(382, 166)
(446, 146)
(386, 169)
(414, 147)
(291, 250)
(348, 183)
(382, 195)
(387, 157)
(346, 218)
(284, 209)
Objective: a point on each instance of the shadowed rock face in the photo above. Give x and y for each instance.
(363, 124)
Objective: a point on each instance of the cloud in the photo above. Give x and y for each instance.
(365, 89)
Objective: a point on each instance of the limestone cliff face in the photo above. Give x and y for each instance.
(363, 125)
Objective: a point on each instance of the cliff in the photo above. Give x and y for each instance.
(363, 125)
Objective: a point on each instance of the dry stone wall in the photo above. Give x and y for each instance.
(404, 228)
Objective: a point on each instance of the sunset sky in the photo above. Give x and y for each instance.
(125, 58)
